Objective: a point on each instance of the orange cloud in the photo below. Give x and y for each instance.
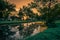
(20, 3)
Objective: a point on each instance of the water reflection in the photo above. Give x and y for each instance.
(20, 31)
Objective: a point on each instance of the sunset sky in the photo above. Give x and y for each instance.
(20, 3)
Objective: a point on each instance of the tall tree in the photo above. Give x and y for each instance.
(6, 8)
(48, 15)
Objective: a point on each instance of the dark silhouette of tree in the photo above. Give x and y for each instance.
(48, 15)
(6, 8)
(21, 13)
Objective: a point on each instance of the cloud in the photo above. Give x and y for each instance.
(20, 3)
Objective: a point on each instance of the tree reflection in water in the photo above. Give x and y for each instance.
(20, 31)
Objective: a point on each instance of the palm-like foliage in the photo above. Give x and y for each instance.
(6, 8)
(49, 14)
(20, 14)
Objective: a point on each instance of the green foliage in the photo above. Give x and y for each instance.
(6, 8)
(49, 14)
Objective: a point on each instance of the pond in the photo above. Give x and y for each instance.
(22, 30)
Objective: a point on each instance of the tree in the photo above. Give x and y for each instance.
(48, 15)
(6, 8)
(21, 13)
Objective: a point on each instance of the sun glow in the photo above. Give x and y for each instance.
(20, 3)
